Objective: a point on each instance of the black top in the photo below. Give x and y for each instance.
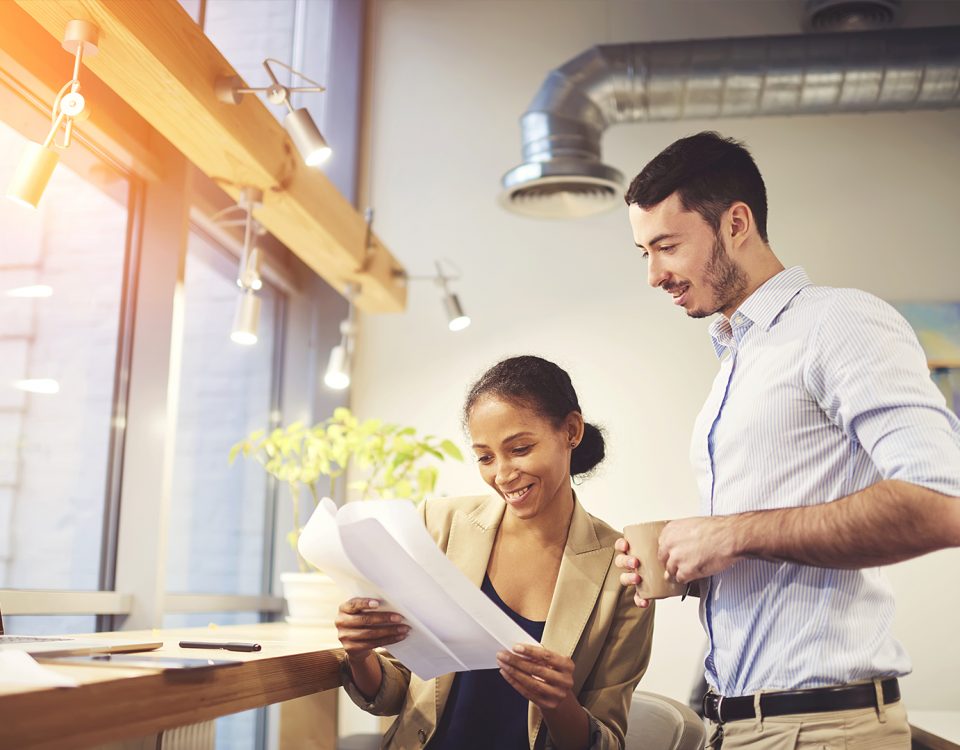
(483, 711)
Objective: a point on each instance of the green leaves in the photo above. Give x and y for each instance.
(381, 460)
(451, 450)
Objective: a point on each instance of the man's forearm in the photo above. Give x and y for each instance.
(885, 523)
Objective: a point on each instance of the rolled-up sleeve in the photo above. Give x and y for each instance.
(393, 687)
(869, 374)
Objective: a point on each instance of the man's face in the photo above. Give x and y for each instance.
(687, 259)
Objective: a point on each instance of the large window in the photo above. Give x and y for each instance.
(220, 531)
(61, 285)
(117, 370)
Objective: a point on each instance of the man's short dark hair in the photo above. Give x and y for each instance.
(709, 173)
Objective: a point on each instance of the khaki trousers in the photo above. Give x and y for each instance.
(859, 729)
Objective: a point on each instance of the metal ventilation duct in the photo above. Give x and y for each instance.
(851, 15)
(562, 175)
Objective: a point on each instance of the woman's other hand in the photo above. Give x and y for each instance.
(541, 676)
(545, 679)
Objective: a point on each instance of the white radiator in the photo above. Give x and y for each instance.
(191, 737)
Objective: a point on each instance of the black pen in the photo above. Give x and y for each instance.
(225, 646)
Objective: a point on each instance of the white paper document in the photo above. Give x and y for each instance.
(381, 550)
(19, 668)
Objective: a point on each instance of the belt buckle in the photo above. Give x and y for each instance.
(720, 710)
(715, 701)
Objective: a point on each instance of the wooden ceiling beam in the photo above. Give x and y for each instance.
(153, 55)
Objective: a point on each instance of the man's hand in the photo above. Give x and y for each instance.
(693, 548)
(625, 561)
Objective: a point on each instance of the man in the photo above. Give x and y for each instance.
(823, 451)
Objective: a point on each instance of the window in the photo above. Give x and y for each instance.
(219, 533)
(62, 270)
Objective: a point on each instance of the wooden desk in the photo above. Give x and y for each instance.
(115, 704)
(936, 730)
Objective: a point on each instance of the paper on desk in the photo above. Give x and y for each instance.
(19, 668)
(380, 549)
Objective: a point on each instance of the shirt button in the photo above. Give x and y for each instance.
(422, 736)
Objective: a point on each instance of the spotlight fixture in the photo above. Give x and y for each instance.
(457, 319)
(246, 319)
(39, 159)
(247, 315)
(298, 123)
(337, 375)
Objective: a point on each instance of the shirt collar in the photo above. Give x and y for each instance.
(761, 308)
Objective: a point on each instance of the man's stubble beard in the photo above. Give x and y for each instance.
(724, 277)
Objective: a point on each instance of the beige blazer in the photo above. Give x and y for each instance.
(592, 619)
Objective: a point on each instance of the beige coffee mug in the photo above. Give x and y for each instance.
(644, 538)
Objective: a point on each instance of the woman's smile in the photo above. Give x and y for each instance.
(515, 497)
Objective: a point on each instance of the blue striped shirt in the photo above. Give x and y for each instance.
(821, 393)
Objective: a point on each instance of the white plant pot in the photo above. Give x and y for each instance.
(312, 598)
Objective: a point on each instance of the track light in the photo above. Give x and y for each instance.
(457, 319)
(339, 365)
(33, 173)
(306, 137)
(247, 315)
(298, 123)
(249, 276)
(39, 159)
(338, 369)
(246, 319)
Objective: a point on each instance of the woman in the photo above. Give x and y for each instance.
(544, 561)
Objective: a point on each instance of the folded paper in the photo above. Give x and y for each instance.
(379, 549)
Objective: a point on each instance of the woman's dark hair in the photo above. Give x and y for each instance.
(542, 386)
(709, 173)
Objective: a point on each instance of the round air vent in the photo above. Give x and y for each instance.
(561, 189)
(852, 15)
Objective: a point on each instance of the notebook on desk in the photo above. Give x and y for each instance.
(62, 645)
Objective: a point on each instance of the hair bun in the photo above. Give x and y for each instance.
(589, 453)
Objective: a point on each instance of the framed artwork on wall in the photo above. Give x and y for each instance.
(938, 327)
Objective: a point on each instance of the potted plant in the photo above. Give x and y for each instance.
(366, 458)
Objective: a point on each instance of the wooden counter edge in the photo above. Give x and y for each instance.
(136, 706)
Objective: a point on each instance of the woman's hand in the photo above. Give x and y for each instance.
(361, 628)
(546, 679)
(541, 676)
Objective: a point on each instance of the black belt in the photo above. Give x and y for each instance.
(719, 709)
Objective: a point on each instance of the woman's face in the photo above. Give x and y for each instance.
(521, 454)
